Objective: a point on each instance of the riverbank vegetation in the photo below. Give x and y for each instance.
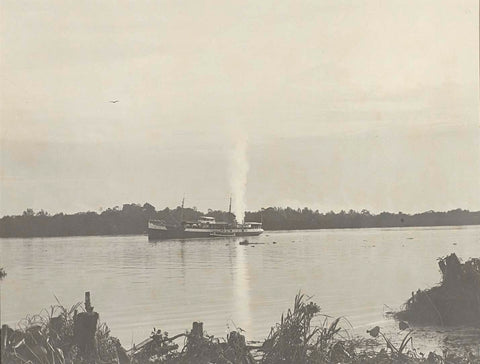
(302, 336)
(133, 219)
(455, 302)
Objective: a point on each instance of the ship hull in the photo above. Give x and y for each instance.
(163, 234)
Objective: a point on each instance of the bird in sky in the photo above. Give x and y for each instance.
(113, 101)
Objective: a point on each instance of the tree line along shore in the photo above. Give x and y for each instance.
(133, 219)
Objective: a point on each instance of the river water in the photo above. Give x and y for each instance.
(137, 285)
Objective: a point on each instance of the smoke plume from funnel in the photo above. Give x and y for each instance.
(238, 174)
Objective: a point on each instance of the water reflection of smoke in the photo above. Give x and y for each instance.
(241, 291)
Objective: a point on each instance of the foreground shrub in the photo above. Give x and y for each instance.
(49, 338)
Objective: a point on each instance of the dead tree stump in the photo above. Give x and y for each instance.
(237, 351)
(237, 340)
(195, 338)
(84, 328)
(451, 268)
(197, 330)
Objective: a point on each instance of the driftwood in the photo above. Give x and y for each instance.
(138, 347)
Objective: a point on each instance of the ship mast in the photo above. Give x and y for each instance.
(183, 203)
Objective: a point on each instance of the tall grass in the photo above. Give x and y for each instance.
(295, 340)
(48, 338)
(302, 336)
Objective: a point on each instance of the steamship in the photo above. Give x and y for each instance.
(204, 227)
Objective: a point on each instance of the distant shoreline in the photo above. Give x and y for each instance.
(2, 236)
(132, 219)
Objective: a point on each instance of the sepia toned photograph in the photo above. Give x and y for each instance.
(239, 182)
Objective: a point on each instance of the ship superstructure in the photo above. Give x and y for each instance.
(204, 227)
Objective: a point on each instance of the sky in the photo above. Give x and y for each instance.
(341, 104)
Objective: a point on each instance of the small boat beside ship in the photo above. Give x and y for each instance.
(204, 227)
